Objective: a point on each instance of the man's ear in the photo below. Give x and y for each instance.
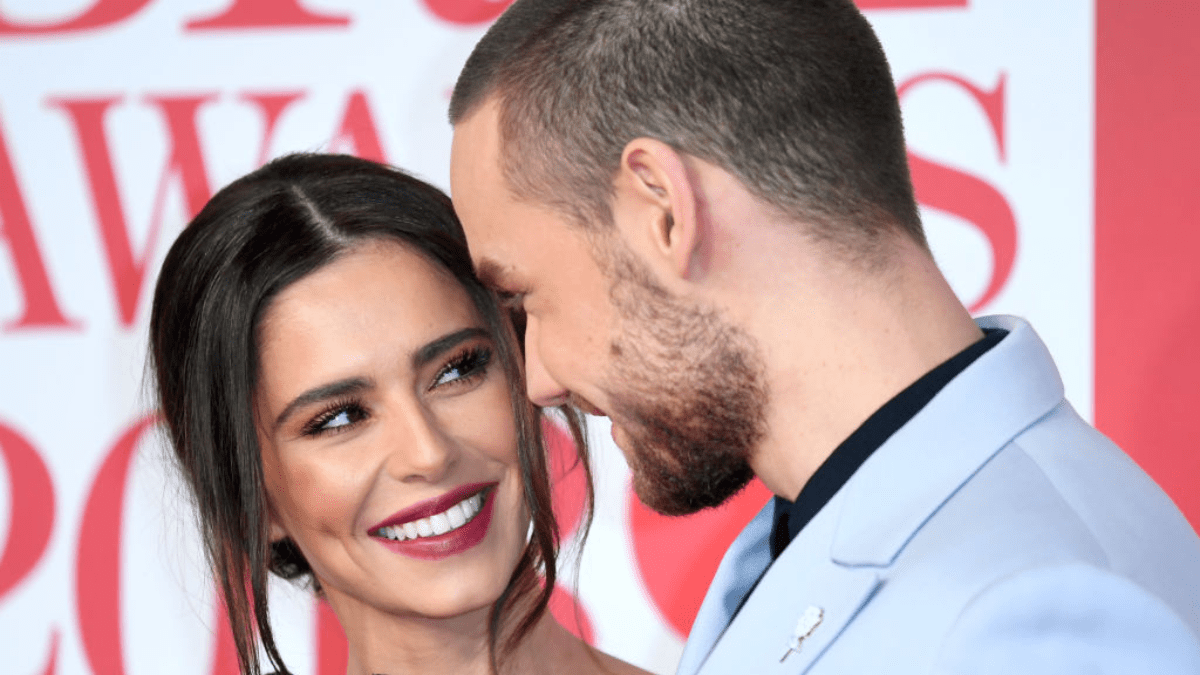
(657, 199)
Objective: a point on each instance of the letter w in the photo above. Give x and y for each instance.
(186, 163)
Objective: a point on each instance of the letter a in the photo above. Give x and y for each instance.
(41, 309)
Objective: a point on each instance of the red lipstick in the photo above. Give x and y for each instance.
(437, 547)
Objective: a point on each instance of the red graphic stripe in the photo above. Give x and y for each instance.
(1148, 238)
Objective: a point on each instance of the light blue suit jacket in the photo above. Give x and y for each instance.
(996, 532)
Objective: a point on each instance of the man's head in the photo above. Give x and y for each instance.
(794, 98)
(579, 123)
(683, 387)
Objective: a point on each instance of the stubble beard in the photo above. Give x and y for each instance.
(687, 389)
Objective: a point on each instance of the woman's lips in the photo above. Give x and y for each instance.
(440, 527)
(433, 506)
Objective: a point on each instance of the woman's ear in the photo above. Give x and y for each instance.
(277, 533)
(275, 529)
(657, 196)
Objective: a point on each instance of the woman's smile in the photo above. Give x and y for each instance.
(448, 530)
(389, 445)
(345, 401)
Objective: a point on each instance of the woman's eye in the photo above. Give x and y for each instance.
(337, 419)
(464, 367)
(340, 420)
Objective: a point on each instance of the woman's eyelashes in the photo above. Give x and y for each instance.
(339, 416)
(465, 367)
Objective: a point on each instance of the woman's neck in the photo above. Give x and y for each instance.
(550, 648)
(385, 644)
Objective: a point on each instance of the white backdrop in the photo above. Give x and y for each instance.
(118, 118)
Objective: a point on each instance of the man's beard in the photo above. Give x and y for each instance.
(686, 388)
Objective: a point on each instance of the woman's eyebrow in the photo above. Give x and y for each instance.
(434, 349)
(350, 385)
(354, 385)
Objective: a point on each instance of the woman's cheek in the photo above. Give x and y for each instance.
(320, 495)
(484, 422)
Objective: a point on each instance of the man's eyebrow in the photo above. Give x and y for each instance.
(491, 273)
(434, 349)
(350, 385)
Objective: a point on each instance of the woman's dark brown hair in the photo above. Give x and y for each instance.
(254, 238)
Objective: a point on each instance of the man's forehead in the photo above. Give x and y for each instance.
(477, 184)
(475, 145)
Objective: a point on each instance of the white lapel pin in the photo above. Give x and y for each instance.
(809, 620)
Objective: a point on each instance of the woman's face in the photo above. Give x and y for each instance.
(388, 443)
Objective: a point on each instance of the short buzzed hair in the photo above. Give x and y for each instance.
(792, 97)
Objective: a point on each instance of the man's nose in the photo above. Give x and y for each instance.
(542, 388)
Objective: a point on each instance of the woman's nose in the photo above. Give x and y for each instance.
(420, 451)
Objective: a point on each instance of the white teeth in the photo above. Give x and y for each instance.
(424, 527)
(451, 519)
(456, 516)
(440, 523)
(410, 530)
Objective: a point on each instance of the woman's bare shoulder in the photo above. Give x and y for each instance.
(553, 649)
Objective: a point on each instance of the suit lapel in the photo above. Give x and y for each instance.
(842, 557)
(743, 563)
(802, 579)
(924, 463)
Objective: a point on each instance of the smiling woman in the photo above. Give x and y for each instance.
(346, 403)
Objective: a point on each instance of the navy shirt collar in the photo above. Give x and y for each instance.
(791, 517)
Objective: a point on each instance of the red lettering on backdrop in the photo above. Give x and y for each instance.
(98, 570)
(945, 189)
(31, 514)
(467, 12)
(52, 659)
(225, 659)
(266, 14)
(470, 12)
(567, 480)
(571, 614)
(678, 556)
(102, 13)
(271, 106)
(357, 133)
(41, 309)
(186, 162)
(568, 485)
(358, 130)
(332, 650)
